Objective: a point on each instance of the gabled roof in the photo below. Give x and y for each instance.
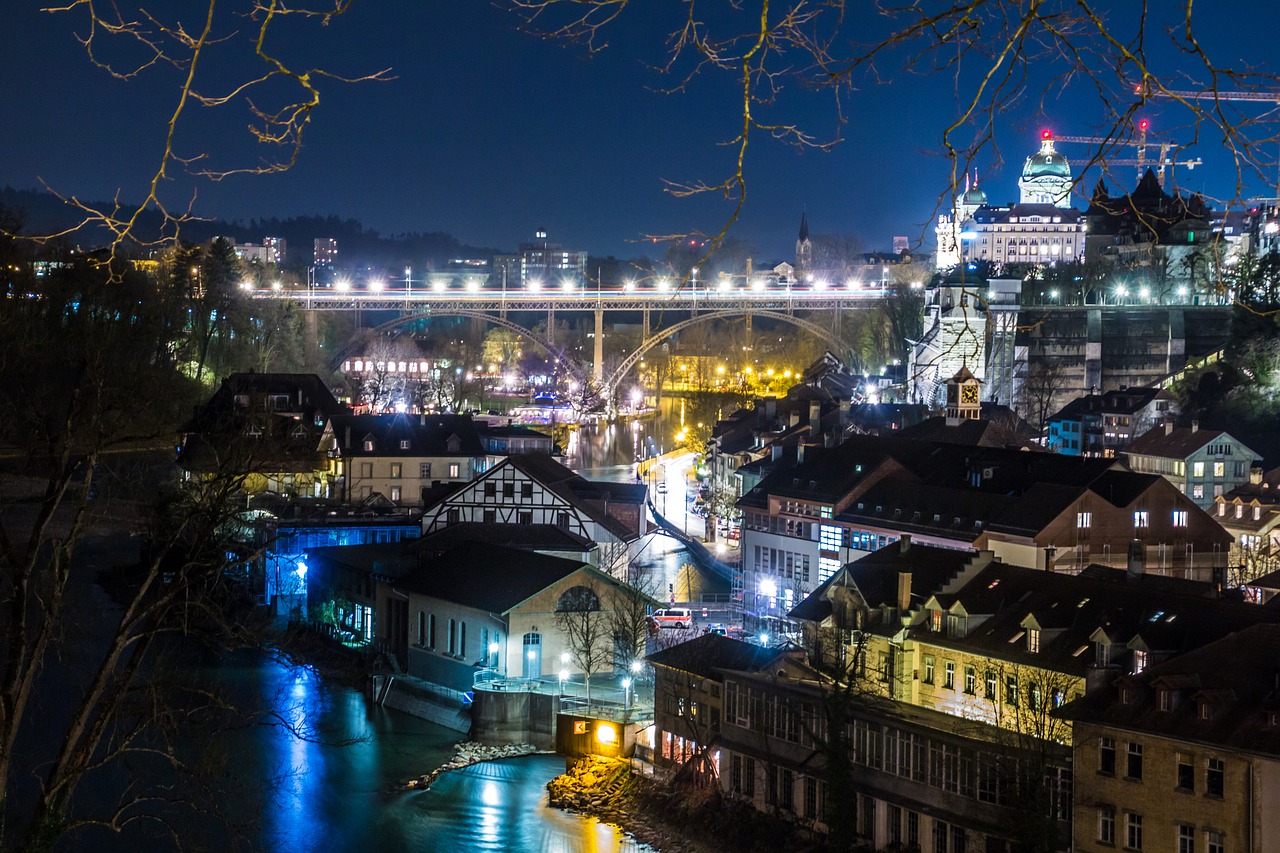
(1175, 443)
(525, 537)
(1231, 674)
(709, 654)
(426, 435)
(590, 496)
(488, 577)
(1123, 401)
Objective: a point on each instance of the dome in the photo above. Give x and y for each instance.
(974, 197)
(1045, 163)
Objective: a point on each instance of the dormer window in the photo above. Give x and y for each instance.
(1139, 660)
(1103, 654)
(1166, 699)
(1126, 694)
(404, 444)
(1257, 513)
(1222, 509)
(1239, 510)
(1205, 711)
(368, 445)
(935, 620)
(1033, 640)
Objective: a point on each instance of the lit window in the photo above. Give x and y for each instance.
(1084, 520)
(1197, 469)
(1133, 831)
(1179, 518)
(1141, 518)
(1219, 469)
(1033, 640)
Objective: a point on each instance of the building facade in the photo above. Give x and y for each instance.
(1204, 464)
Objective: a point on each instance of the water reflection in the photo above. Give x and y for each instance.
(501, 806)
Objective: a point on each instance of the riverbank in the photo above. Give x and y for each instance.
(671, 820)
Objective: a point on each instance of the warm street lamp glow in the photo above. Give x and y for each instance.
(564, 657)
(629, 285)
(567, 285)
(342, 284)
(853, 284)
(472, 285)
(606, 733)
(277, 285)
(535, 284)
(246, 285)
(635, 666)
(375, 284)
(664, 285)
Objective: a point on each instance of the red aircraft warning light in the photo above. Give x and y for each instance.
(1046, 134)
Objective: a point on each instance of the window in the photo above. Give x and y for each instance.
(1197, 492)
(453, 636)
(970, 680)
(490, 489)
(395, 494)
(1084, 520)
(431, 631)
(508, 490)
(1107, 825)
(462, 639)
(1186, 773)
(1197, 469)
(810, 796)
(1186, 838)
(913, 829)
(786, 791)
(562, 520)
(454, 470)
(1215, 772)
(1011, 690)
(1179, 518)
(949, 675)
(366, 470)
(422, 628)
(1219, 469)
(894, 819)
(526, 490)
(1141, 518)
(1215, 841)
(404, 444)
(526, 518)
(991, 686)
(1133, 831)
(1033, 640)
(1133, 769)
(1139, 664)
(1107, 756)
(424, 470)
(1034, 697)
(928, 669)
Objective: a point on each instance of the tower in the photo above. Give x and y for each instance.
(963, 397)
(949, 227)
(804, 246)
(1046, 176)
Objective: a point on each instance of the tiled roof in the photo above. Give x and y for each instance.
(487, 577)
(1235, 675)
(1177, 443)
(707, 654)
(425, 435)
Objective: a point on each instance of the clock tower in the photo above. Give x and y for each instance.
(964, 396)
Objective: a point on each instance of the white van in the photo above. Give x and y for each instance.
(674, 617)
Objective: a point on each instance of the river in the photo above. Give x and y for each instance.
(325, 770)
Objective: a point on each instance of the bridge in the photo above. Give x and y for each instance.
(701, 304)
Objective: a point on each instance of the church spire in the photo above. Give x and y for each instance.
(804, 224)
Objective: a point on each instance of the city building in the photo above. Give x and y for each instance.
(277, 249)
(1183, 755)
(1168, 237)
(946, 671)
(325, 253)
(400, 457)
(1102, 424)
(534, 489)
(688, 690)
(1251, 514)
(540, 263)
(1203, 463)
(818, 508)
(267, 426)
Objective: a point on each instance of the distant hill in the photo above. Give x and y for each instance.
(44, 213)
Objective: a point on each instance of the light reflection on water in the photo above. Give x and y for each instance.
(501, 806)
(333, 797)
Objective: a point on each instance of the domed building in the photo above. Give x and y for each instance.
(1046, 176)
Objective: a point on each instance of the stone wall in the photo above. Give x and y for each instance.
(501, 717)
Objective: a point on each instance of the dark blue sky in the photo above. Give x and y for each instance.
(488, 133)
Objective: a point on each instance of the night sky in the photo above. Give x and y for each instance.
(488, 133)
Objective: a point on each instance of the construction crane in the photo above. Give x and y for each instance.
(1211, 95)
(1142, 161)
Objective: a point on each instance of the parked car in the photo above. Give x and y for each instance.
(674, 617)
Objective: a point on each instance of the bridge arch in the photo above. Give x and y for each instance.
(841, 347)
(510, 325)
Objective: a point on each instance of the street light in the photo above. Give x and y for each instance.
(626, 693)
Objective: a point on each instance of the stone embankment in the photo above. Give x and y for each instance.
(605, 788)
(465, 754)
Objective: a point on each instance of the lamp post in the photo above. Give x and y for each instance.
(626, 694)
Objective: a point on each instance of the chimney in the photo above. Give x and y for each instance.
(1137, 560)
(815, 417)
(1050, 551)
(904, 543)
(1195, 427)
(1255, 476)
(799, 454)
(1168, 427)
(904, 593)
